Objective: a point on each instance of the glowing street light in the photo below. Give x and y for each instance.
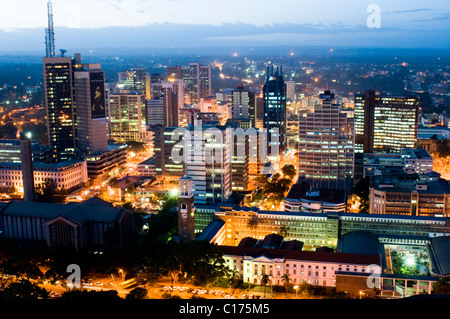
(296, 291)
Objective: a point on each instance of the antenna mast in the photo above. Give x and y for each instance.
(50, 33)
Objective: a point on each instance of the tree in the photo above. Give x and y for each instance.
(8, 131)
(202, 262)
(362, 190)
(286, 279)
(136, 146)
(284, 230)
(23, 289)
(441, 287)
(137, 293)
(48, 192)
(264, 282)
(289, 171)
(443, 148)
(253, 223)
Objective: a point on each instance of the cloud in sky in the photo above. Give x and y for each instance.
(166, 35)
(103, 13)
(189, 23)
(408, 11)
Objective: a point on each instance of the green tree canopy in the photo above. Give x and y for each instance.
(23, 289)
(289, 171)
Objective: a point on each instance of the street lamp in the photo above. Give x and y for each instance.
(360, 293)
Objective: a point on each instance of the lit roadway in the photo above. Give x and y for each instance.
(94, 190)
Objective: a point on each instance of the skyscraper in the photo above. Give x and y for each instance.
(243, 105)
(163, 110)
(274, 96)
(326, 145)
(197, 82)
(385, 123)
(126, 116)
(208, 163)
(164, 145)
(59, 104)
(90, 107)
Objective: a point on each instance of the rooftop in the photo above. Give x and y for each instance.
(93, 209)
(301, 255)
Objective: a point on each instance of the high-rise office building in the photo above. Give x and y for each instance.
(208, 163)
(290, 90)
(134, 80)
(274, 97)
(163, 110)
(165, 143)
(177, 87)
(126, 116)
(59, 104)
(90, 106)
(385, 123)
(243, 105)
(155, 112)
(326, 145)
(197, 82)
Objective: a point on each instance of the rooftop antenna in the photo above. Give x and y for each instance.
(50, 33)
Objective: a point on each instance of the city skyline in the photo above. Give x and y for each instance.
(216, 156)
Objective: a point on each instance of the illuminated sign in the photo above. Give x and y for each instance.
(98, 100)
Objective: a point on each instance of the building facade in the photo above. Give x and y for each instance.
(87, 225)
(274, 97)
(68, 175)
(385, 123)
(324, 229)
(326, 139)
(126, 116)
(314, 268)
(59, 105)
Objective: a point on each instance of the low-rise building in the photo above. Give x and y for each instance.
(92, 224)
(101, 164)
(417, 161)
(410, 194)
(323, 229)
(69, 175)
(301, 198)
(315, 268)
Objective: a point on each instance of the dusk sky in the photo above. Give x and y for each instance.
(181, 23)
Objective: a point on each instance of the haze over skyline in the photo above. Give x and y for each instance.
(215, 23)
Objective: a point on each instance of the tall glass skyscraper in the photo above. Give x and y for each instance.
(59, 102)
(274, 96)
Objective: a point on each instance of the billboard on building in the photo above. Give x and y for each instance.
(98, 101)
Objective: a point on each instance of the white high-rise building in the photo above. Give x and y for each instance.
(208, 163)
(290, 90)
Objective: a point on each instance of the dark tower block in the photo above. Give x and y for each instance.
(186, 210)
(26, 158)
